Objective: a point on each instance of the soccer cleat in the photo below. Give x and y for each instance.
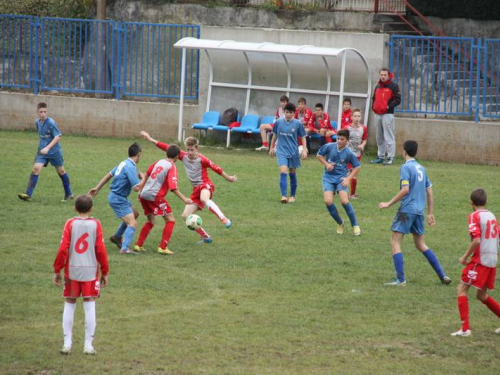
(283, 200)
(389, 161)
(356, 230)
(497, 331)
(340, 228)
(396, 282)
(377, 161)
(24, 197)
(128, 251)
(446, 280)
(291, 200)
(461, 333)
(67, 198)
(65, 350)
(140, 249)
(353, 196)
(117, 241)
(227, 223)
(205, 240)
(262, 148)
(165, 251)
(89, 351)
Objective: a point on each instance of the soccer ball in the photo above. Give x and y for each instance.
(193, 222)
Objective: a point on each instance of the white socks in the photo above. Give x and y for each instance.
(90, 323)
(215, 209)
(67, 323)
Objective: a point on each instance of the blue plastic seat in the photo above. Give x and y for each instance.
(209, 120)
(249, 123)
(265, 120)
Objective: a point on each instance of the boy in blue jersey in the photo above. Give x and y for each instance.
(415, 187)
(336, 178)
(285, 132)
(49, 151)
(125, 179)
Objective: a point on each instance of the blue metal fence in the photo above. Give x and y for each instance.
(89, 56)
(446, 75)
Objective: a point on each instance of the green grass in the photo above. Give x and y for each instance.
(277, 293)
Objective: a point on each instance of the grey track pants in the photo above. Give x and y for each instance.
(386, 141)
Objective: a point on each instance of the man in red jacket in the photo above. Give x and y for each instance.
(385, 97)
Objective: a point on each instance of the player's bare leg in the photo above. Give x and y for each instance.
(68, 195)
(191, 209)
(431, 257)
(264, 129)
(90, 324)
(67, 323)
(214, 208)
(166, 235)
(35, 172)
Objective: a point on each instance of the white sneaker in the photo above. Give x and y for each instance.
(65, 350)
(356, 230)
(262, 148)
(396, 282)
(497, 331)
(340, 228)
(89, 351)
(461, 333)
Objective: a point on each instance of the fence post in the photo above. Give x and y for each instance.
(34, 64)
(477, 104)
(117, 36)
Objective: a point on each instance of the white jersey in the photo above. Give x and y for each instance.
(483, 225)
(162, 176)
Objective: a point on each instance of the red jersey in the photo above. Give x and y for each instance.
(346, 119)
(304, 116)
(162, 177)
(82, 250)
(315, 124)
(196, 169)
(483, 225)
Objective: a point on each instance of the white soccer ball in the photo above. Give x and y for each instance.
(193, 222)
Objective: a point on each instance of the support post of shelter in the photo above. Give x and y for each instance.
(181, 104)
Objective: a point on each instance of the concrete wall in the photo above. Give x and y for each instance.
(451, 140)
(96, 117)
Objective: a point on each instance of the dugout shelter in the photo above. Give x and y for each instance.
(253, 76)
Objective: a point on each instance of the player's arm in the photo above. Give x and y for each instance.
(405, 189)
(62, 253)
(472, 247)
(430, 207)
(101, 255)
(47, 148)
(272, 148)
(93, 192)
(138, 187)
(181, 196)
(329, 166)
(147, 137)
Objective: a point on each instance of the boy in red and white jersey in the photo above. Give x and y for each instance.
(81, 253)
(346, 118)
(480, 271)
(196, 166)
(320, 123)
(161, 177)
(358, 136)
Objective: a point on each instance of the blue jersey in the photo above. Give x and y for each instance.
(340, 158)
(47, 131)
(412, 174)
(287, 133)
(125, 177)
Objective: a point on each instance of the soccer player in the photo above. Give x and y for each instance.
(125, 178)
(346, 118)
(336, 178)
(49, 151)
(265, 128)
(161, 177)
(358, 136)
(320, 123)
(196, 166)
(82, 253)
(285, 133)
(415, 187)
(480, 271)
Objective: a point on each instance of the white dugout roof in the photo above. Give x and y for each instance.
(252, 76)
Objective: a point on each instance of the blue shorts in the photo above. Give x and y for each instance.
(334, 186)
(121, 205)
(408, 223)
(293, 162)
(56, 160)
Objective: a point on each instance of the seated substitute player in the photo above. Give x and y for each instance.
(49, 151)
(346, 119)
(125, 179)
(285, 133)
(319, 123)
(480, 271)
(358, 136)
(266, 128)
(161, 177)
(196, 170)
(336, 178)
(81, 253)
(303, 113)
(415, 187)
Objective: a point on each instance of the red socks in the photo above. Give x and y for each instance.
(146, 228)
(265, 144)
(167, 233)
(492, 305)
(354, 183)
(463, 309)
(202, 232)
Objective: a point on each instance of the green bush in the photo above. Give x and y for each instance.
(50, 8)
(478, 10)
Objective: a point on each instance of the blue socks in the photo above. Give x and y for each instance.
(334, 213)
(434, 262)
(120, 230)
(399, 266)
(65, 181)
(128, 236)
(283, 184)
(32, 184)
(349, 210)
(293, 184)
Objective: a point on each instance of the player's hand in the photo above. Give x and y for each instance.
(463, 260)
(361, 148)
(145, 135)
(345, 181)
(232, 179)
(93, 192)
(104, 281)
(383, 205)
(188, 201)
(57, 279)
(329, 167)
(272, 151)
(304, 153)
(431, 220)
(44, 151)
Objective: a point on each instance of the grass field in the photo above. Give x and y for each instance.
(277, 293)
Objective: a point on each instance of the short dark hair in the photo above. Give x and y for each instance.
(289, 107)
(41, 105)
(411, 148)
(343, 133)
(134, 150)
(284, 98)
(83, 203)
(173, 151)
(347, 100)
(319, 105)
(302, 100)
(478, 197)
(384, 70)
